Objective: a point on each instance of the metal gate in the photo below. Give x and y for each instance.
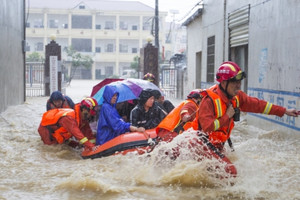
(35, 79)
(168, 82)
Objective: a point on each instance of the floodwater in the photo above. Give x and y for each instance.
(267, 163)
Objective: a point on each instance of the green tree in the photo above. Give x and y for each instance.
(34, 57)
(135, 64)
(78, 60)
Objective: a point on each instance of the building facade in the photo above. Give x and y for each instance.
(262, 36)
(111, 32)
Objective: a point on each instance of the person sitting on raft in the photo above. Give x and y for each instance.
(146, 114)
(58, 100)
(59, 125)
(110, 123)
(165, 105)
(220, 108)
(181, 118)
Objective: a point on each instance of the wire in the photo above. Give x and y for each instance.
(197, 4)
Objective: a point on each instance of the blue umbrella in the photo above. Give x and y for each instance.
(125, 93)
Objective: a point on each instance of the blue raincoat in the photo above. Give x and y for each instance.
(110, 124)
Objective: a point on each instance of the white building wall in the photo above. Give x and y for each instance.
(105, 28)
(273, 53)
(194, 45)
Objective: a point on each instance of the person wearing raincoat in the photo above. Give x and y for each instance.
(110, 123)
(146, 113)
(165, 105)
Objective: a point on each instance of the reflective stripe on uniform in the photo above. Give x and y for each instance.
(267, 108)
(83, 140)
(237, 101)
(217, 124)
(219, 107)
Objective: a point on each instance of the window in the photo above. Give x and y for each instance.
(210, 74)
(82, 45)
(82, 7)
(123, 48)
(109, 25)
(109, 70)
(98, 49)
(53, 23)
(98, 74)
(109, 48)
(134, 50)
(39, 46)
(82, 21)
(98, 26)
(38, 23)
(27, 25)
(123, 26)
(134, 27)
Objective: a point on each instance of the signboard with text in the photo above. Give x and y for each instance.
(53, 73)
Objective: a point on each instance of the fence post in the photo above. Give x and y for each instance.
(53, 51)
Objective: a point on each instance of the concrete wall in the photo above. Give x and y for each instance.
(194, 42)
(12, 87)
(273, 53)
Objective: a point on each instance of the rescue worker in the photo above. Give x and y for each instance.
(59, 125)
(181, 118)
(149, 77)
(146, 114)
(165, 105)
(220, 108)
(58, 100)
(110, 123)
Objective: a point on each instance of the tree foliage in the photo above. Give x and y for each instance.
(77, 60)
(135, 64)
(34, 57)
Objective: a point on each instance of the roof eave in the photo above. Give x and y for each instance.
(195, 15)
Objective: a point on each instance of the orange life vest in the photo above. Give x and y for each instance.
(51, 118)
(221, 134)
(172, 120)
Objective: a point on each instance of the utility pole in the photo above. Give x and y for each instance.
(156, 25)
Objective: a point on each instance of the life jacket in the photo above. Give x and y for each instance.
(173, 119)
(51, 118)
(221, 134)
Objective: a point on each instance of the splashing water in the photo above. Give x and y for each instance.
(267, 164)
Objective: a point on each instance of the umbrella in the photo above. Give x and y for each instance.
(128, 89)
(106, 81)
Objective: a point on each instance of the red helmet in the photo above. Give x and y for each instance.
(194, 94)
(149, 77)
(89, 103)
(229, 70)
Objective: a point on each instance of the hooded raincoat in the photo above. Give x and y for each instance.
(110, 123)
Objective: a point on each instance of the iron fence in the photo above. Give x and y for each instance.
(35, 79)
(168, 81)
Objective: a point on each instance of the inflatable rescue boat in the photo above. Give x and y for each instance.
(127, 142)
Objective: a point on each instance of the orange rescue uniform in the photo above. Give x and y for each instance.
(58, 125)
(166, 130)
(212, 112)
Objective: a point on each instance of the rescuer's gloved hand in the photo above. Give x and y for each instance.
(88, 145)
